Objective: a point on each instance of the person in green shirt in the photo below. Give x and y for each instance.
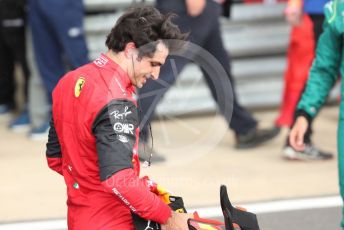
(329, 61)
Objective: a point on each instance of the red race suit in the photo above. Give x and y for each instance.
(93, 140)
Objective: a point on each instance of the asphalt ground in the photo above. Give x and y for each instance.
(312, 219)
(200, 157)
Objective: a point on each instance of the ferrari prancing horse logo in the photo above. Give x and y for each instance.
(78, 86)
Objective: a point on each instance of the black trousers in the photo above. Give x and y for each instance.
(12, 50)
(204, 32)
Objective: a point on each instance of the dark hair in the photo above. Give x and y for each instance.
(144, 26)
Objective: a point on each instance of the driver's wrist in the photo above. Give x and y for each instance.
(170, 218)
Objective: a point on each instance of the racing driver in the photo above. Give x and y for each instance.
(94, 131)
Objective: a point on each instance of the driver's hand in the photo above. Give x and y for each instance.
(177, 221)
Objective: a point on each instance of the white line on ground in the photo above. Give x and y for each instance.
(36, 225)
(206, 212)
(278, 206)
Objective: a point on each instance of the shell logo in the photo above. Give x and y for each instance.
(78, 86)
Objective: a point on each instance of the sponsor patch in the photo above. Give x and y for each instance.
(149, 223)
(123, 138)
(126, 128)
(76, 185)
(115, 191)
(121, 115)
(78, 86)
(101, 61)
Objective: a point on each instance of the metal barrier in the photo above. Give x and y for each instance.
(256, 37)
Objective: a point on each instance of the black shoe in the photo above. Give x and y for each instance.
(147, 154)
(255, 137)
(310, 153)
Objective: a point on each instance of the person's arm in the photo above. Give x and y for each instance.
(323, 75)
(114, 129)
(53, 151)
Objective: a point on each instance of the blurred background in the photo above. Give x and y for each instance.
(257, 36)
